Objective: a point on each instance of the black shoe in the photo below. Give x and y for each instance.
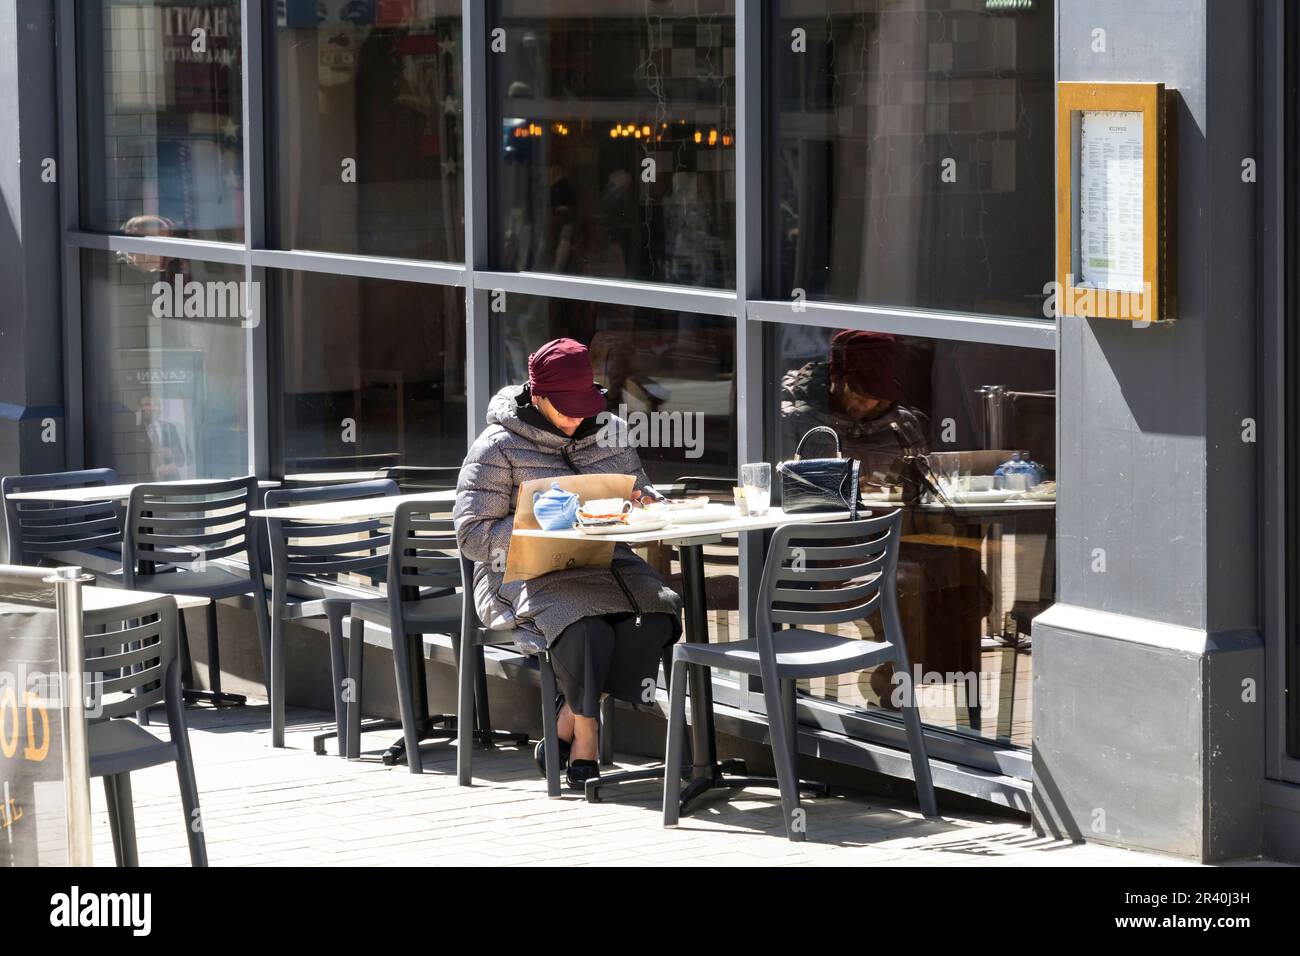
(580, 771)
(539, 752)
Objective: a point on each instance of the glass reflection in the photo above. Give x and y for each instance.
(369, 125)
(166, 397)
(977, 557)
(160, 118)
(910, 157)
(372, 371)
(616, 155)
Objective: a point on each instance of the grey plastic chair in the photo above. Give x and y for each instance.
(815, 574)
(38, 530)
(314, 556)
(174, 537)
(131, 665)
(424, 572)
(474, 637)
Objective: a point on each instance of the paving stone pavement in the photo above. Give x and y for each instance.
(263, 806)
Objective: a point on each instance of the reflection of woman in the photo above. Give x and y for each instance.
(606, 628)
(146, 225)
(943, 594)
(856, 393)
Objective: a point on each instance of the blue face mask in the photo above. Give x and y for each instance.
(555, 510)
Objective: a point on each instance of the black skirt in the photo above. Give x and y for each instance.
(610, 654)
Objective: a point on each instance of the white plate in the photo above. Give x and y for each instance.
(689, 504)
(647, 524)
(984, 497)
(712, 512)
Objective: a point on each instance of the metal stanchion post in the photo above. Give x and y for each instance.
(76, 756)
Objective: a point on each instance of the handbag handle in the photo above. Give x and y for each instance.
(812, 431)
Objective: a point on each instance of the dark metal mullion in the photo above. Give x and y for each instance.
(74, 409)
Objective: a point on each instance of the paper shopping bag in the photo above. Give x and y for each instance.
(532, 557)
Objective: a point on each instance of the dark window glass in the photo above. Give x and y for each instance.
(679, 365)
(971, 575)
(166, 372)
(367, 151)
(910, 158)
(613, 141)
(160, 118)
(372, 373)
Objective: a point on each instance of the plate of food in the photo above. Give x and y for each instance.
(619, 524)
(704, 513)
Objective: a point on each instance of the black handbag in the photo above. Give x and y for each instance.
(819, 484)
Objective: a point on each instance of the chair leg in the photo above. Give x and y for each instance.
(114, 827)
(190, 804)
(357, 676)
(263, 618)
(786, 775)
(466, 684)
(180, 739)
(481, 709)
(406, 700)
(214, 652)
(920, 759)
(187, 663)
(607, 731)
(338, 674)
(275, 689)
(124, 811)
(550, 726)
(675, 744)
(790, 707)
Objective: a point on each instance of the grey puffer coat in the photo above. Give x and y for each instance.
(511, 451)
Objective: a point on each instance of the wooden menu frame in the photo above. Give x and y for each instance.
(1154, 301)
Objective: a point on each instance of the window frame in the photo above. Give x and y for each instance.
(746, 304)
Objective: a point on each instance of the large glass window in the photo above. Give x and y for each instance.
(166, 380)
(367, 145)
(613, 139)
(910, 154)
(676, 371)
(160, 115)
(973, 570)
(372, 373)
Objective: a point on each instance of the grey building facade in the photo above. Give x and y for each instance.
(733, 202)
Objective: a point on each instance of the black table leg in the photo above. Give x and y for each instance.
(706, 771)
(704, 749)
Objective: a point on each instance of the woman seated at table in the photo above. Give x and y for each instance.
(605, 628)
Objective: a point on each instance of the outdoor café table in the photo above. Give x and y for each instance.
(121, 493)
(707, 773)
(106, 599)
(362, 509)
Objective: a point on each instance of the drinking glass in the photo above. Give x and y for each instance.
(756, 479)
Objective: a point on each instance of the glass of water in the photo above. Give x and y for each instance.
(756, 480)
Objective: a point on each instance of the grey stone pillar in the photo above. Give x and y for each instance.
(31, 355)
(1149, 671)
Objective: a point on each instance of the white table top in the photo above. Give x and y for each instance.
(106, 599)
(357, 509)
(334, 477)
(112, 492)
(990, 507)
(686, 533)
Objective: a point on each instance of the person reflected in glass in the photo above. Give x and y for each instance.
(166, 446)
(856, 392)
